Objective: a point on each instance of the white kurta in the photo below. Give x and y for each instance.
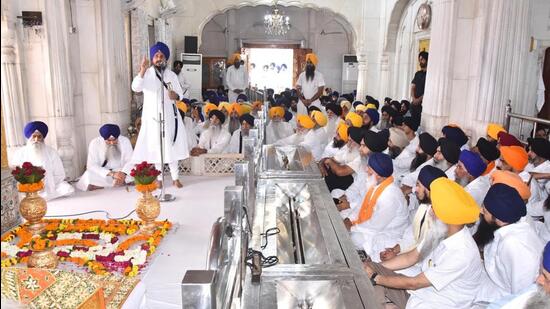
(236, 79)
(148, 141)
(538, 190)
(95, 173)
(512, 261)
(214, 142)
(315, 141)
(386, 225)
(402, 163)
(351, 158)
(192, 138)
(185, 86)
(276, 131)
(454, 269)
(235, 142)
(54, 180)
(330, 151)
(331, 127)
(309, 89)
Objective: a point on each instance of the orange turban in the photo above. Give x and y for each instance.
(234, 107)
(515, 156)
(313, 58)
(208, 107)
(493, 130)
(182, 106)
(355, 119)
(343, 131)
(257, 105)
(305, 121)
(245, 108)
(233, 58)
(223, 105)
(319, 118)
(276, 111)
(513, 180)
(451, 203)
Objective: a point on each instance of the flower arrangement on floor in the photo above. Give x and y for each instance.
(144, 176)
(148, 206)
(101, 246)
(32, 207)
(29, 177)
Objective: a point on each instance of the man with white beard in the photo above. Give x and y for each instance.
(108, 161)
(215, 139)
(40, 154)
(334, 113)
(304, 125)
(511, 247)
(315, 139)
(451, 267)
(277, 128)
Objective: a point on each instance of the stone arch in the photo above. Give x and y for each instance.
(390, 42)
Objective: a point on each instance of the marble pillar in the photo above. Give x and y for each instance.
(140, 48)
(13, 100)
(362, 56)
(384, 75)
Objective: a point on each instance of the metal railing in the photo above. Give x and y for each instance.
(522, 118)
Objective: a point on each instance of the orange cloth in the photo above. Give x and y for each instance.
(343, 131)
(313, 58)
(208, 107)
(489, 168)
(493, 130)
(276, 111)
(305, 121)
(224, 105)
(355, 119)
(319, 118)
(234, 107)
(515, 156)
(182, 106)
(367, 208)
(513, 180)
(233, 58)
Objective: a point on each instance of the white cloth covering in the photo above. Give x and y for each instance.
(185, 86)
(315, 141)
(309, 89)
(276, 131)
(54, 180)
(214, 141)
(234, 142)
(148, 141)
(348, 157)
(192, 138)
(236, 79)
(402, 163)
(96, 173)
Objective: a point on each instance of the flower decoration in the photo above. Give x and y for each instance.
(40, 244)
(144, 175)
(29, 177)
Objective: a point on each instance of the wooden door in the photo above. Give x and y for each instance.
(212, 72)
(545, 111)
(299, 62)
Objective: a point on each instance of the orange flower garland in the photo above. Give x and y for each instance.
(30, 187)
(144, 188)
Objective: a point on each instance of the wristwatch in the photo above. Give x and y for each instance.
(372, 281)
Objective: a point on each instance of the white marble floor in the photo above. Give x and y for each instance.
(198, 204)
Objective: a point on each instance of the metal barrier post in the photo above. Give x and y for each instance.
(507, 116)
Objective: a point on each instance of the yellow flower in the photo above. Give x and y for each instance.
(131, 231)
(62, 226)
(152, 249)
(134, 271)
(94, 228)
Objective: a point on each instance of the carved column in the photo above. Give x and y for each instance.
(140, 48)
(13, 101)
(384, 75)
(362, 55)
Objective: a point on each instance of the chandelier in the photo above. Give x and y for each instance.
(276, 23)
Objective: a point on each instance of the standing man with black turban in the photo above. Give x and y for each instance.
(417, 86)
(149, 81)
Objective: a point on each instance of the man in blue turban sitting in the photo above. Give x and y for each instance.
(108, 161)
(40, 154)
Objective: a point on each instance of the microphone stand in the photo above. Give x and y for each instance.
(163, 197)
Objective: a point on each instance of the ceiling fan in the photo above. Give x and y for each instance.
(323, 32)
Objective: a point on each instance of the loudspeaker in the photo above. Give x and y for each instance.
(190, 46)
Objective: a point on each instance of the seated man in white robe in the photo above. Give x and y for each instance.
(334, 113)
(108, 163)
(402, 163)
(215, 139)
(236, 143)
(192, 138)
(383, 215)
(40, 154)
(539, 172)
(511, 247)
(304, 124)
(340, 169)
(470, 166)
(338, 141)
(234, 111)
(315, 139)
(277, 128)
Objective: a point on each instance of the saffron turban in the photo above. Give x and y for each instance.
(504, 203)
(513, 180)
(218, 115)
(233, 58)
(34, 126)
(360, 108)
(182, 106)
(343, 131)
(451, 203)
(313, 58)
(234, 107)
(428, 174)
(159, 46)
(109, 130)
(276, 111)
(515, 156)
(305, 121)
(493, 130)
(319, 118)
(472, 162)
(248, 119)
(381, 163)
(224, 105)
(209, 107)
(355, 119)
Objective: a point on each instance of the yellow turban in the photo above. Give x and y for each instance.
(182, 106)
(276, 111)
(515, 156)
(313, 58)
(493, 129)
(355, 119)
(305, 121)
(246, 108)
(345, 103)
(234, 107)
(208, 107)
(343, 131)
(371, 106)
(223, 105)
(319, 118)
(233, 58)
(360, 108)
(513, 180)
(451, 203)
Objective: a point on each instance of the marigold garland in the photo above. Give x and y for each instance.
(146, 188)
(30, 187)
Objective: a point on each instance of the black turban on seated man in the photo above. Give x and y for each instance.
(248, 118)
(218, 115)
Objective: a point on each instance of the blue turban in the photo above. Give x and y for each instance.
(455, 134)
(288, 116)
(159, 46)
(381, 163)
(35, 126)
(428, 174)
(214, 99)
(242, 97)
(281, 101)
(546, 257)
(373, 115)
(473, 163)
(108, 130)
(504, 203)
(186, 101)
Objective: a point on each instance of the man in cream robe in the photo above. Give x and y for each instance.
(215, 139)
(148, 143)
(277, 128)
(237, 78)
(236, 142)
(108, 161)
(40, 154)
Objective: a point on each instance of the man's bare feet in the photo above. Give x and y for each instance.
(93, 188)
(177, 184)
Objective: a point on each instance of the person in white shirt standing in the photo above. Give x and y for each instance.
(310, 85)
(108, 160)
(451, 267)
(510, 245)
(237, 78)
(185, 86)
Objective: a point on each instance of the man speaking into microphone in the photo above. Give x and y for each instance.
(160, 87)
